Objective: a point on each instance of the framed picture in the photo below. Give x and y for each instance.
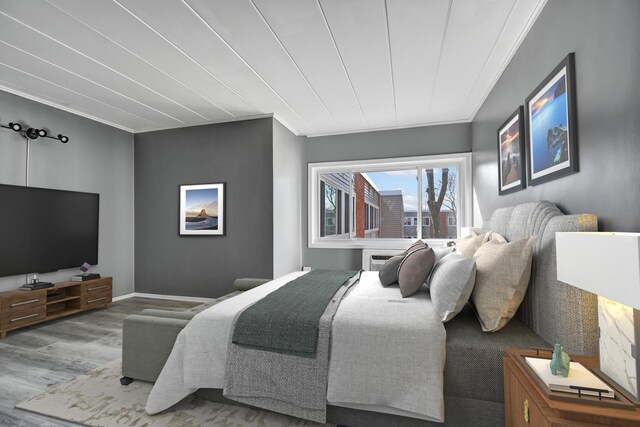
(511, 164)
(552, 137)
(202, 209)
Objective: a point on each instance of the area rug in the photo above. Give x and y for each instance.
(98, 399)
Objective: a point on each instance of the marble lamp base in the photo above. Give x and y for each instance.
(619, 336)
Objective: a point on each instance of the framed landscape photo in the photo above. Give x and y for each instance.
(511, 158)
(202, 209)
(552, 138)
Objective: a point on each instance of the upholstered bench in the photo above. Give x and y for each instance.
(148, 337)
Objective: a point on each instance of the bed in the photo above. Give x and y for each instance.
(464, 386)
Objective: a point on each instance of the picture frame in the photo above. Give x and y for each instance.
(202, 209)
(511, 154)
(551, 125)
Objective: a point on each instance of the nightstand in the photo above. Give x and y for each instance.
(528, 402)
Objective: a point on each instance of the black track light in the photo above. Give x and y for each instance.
(32, 133)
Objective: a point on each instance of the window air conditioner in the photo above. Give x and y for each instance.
(373, 259)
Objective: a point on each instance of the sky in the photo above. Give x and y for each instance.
(206, 199)
(405, 180)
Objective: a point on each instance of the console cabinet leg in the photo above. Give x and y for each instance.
(3, 335)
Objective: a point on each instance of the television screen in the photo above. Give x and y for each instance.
(43, 230)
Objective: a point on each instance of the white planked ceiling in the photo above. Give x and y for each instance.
(319, 66)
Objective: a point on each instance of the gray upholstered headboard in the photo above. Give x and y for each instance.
(557, 312)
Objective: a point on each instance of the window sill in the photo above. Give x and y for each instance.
(400, 244)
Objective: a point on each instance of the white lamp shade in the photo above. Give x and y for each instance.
(606, 264)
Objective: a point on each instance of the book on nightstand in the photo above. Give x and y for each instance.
(579, 377)
(84, 277)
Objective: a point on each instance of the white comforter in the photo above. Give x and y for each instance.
(387, 353)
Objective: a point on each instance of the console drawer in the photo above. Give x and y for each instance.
(22, 318)
(95, 287)
(23, 300)
(96, 299)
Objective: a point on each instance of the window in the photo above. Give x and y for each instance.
(382, 203)
(334, 215)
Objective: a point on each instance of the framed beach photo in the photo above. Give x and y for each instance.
(202, 209)
(552, 138)
(511, 158)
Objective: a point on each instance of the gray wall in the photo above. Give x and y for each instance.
(238, 153)
(288, 155)
(420, 141)
(97, 159)
(605, 36)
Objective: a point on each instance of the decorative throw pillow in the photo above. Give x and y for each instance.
(451, 284)
(388, 273)
(502, 278)
(414, 270)
(417, 245)
(470, 244)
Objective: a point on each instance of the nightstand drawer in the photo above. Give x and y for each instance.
(23, 300)
(22, 318)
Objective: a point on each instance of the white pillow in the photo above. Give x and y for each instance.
(451, 284)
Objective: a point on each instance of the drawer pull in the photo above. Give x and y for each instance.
(526, 411)
(94, 300)
(16, 304)
(97, 287)
(17, 319)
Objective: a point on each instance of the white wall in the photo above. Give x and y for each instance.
(288, 160)
(97, 159)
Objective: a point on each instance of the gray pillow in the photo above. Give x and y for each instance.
(388, 273)
(414, 270)
(451, 284)
(502, 279)
(442, 252)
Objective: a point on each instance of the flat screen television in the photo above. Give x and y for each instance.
(44, 230)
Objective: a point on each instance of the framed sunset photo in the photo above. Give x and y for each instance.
(552, 138)
(511, 158)
(202, 209)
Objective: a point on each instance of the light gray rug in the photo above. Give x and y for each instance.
(98, 399)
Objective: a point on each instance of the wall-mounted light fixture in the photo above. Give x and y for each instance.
(33, 133)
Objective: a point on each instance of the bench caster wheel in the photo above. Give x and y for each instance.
(126, 380)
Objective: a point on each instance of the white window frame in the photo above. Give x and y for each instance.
(461, 160)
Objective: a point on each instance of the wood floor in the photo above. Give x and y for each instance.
(33, 359)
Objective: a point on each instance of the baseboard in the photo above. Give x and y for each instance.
(161, 296)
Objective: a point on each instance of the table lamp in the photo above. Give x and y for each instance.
(608, 265)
